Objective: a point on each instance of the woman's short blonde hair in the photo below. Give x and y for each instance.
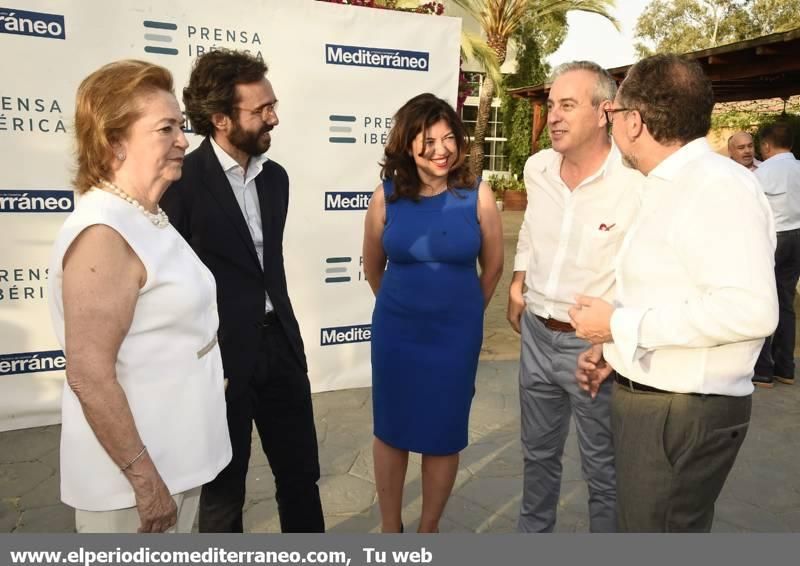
(106, 105)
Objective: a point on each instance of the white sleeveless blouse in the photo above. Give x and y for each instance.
(169, 364)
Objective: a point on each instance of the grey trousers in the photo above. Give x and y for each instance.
(549, 394)
(674, 453)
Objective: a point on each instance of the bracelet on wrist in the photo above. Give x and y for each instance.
(135, 458)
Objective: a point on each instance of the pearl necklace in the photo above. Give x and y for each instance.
(160, 218)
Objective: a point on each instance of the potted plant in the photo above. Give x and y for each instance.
(514, 196)
(497, 183)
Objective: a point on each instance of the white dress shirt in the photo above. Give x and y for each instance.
(569, 238)
(695, 283)
(780, 178)
(246, 193)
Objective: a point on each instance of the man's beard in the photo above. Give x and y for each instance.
(251, 143)
(630, 161)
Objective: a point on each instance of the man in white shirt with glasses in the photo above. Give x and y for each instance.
(581, 202)
(695, 298)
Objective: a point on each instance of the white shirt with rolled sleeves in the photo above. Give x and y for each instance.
(695, 283)
(780, 178)
(568, 239)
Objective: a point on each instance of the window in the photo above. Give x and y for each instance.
(474, 81)
(494, 144)
(494, 158)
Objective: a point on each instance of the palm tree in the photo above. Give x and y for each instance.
(499, 20)
(473, 47)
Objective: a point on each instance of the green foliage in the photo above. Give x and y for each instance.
(518, 127)
(503, 183)
(536, 39)
(475, 48)
(736, 120)
(770, 16)
(681, 26)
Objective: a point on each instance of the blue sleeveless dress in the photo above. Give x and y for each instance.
(427, 326)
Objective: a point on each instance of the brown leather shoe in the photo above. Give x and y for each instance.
(786, 380)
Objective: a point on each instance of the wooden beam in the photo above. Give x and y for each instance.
(788, 37)
(539, 121)
(781, 90)
(769, 50)
(720, 59)
(758, 58)
(769, 66)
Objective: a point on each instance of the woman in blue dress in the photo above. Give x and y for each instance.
(428, 224)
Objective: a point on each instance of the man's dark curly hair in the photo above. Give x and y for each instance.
(212, 85)
(673, 95)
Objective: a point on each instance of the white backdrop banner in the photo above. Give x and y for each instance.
(340, 73)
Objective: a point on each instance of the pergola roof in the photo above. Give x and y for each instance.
(765, 67)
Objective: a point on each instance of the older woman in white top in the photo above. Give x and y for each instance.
(143, 414)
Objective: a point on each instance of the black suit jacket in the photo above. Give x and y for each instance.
(202, 207)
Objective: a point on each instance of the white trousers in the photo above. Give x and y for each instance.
(127, 520)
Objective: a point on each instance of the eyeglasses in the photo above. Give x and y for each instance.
(611, 111)
(263, 111)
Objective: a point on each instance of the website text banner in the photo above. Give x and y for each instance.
(405, 550)
(340, 73)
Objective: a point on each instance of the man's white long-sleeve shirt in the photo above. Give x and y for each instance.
(695, 283)
(780, 178)
(568, 239)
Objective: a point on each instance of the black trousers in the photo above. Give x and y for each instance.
(279, 401)
(777, 355)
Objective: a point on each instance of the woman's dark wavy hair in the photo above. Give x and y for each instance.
(415, 116)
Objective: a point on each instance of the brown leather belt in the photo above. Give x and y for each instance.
(556, 325)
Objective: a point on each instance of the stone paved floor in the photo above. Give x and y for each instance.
(762, 493)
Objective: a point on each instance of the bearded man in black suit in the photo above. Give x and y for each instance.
(230, 205)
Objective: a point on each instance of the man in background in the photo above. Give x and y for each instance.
(779, 176)
(741, 150)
